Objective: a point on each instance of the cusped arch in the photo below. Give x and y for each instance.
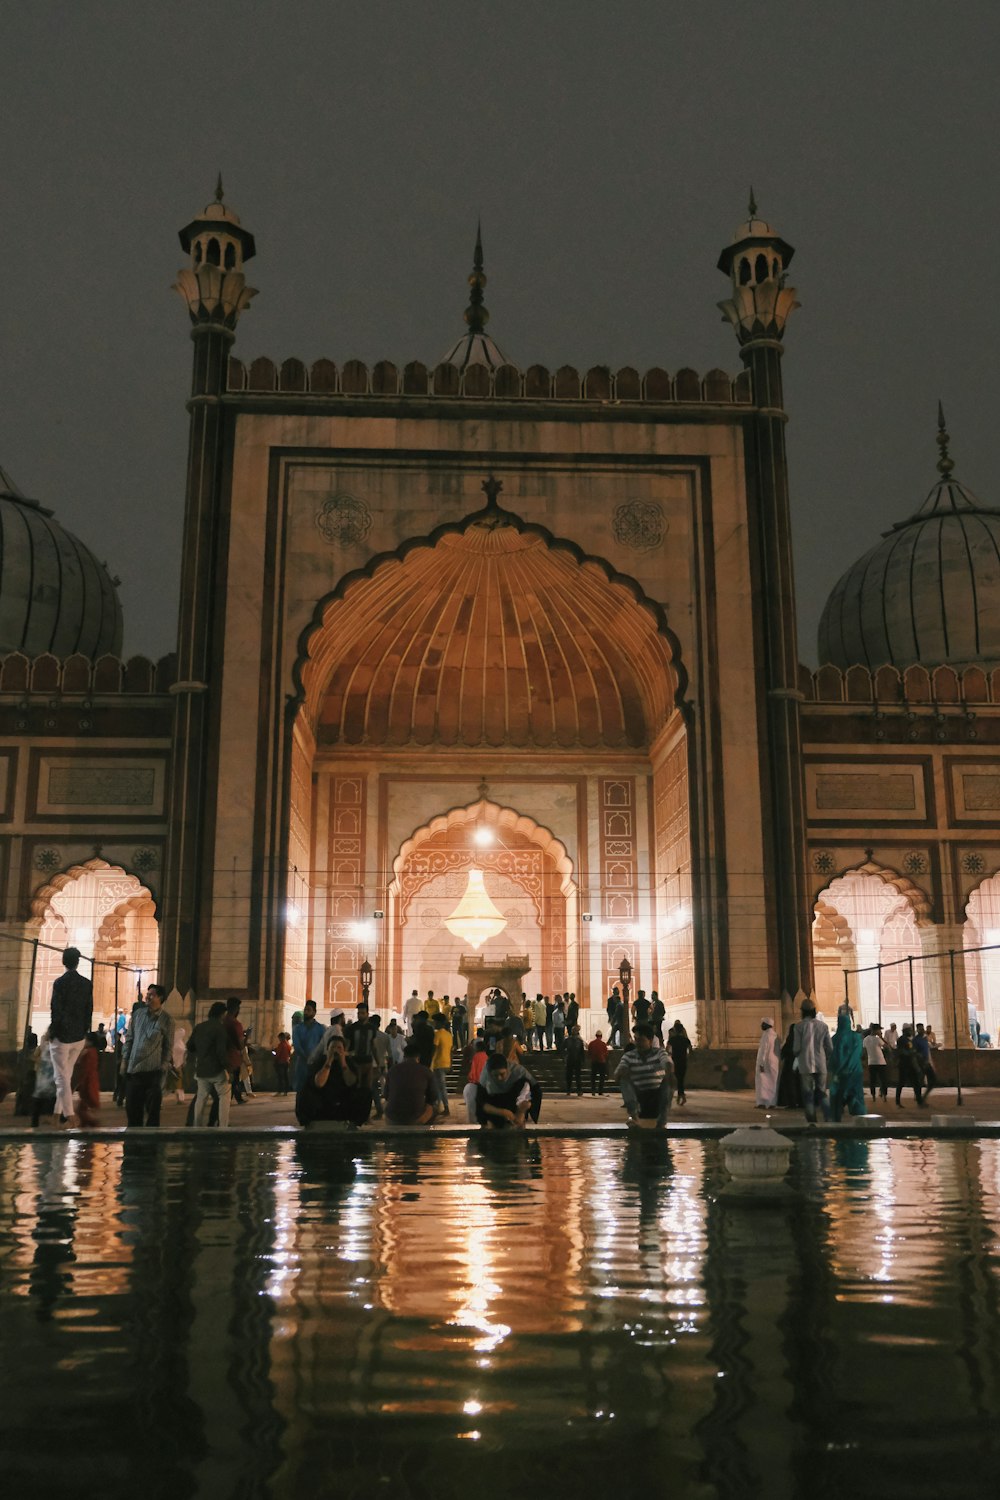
(42, 898)
(494, 816)
(831, 928)
(915, 898)
(489, 631)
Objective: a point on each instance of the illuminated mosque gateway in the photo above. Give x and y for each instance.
(555, 606)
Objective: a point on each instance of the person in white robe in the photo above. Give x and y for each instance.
(768, 1066)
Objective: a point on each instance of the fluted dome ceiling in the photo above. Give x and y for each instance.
(54, 594)
(928, 593)
(491, 637)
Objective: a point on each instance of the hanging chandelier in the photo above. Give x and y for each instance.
(475, 918)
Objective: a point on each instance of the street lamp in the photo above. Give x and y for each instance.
(366, 980)
(625, 980)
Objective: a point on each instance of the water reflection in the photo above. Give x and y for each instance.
(335, 1316)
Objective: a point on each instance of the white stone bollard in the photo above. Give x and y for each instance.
(756, 1158)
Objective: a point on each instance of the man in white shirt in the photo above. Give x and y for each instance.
(875, 1057)
(812, 1055)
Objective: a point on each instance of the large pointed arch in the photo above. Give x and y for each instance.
(488, 632)
(494, 816)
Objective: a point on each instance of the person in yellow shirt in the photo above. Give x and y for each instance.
(441, 1060)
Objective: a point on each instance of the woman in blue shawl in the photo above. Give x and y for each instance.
(847, 1084)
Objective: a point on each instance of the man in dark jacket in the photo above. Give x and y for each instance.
(209, 1045)
(72, 1011)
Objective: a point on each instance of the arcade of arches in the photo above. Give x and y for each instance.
(490, 702)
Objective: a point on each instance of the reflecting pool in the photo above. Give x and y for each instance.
(334, 1316)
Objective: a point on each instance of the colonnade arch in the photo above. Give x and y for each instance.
(110, 916)
(868, 916)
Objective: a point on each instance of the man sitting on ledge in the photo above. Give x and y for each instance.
(332, 1090)
(646, 1077)
(506, 1095)
(410, 1093)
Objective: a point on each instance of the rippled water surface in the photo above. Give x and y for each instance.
(503, 1318)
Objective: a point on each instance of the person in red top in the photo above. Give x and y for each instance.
(476, 1066)
(282, 1057)
(86, 1084)
(598, 1054)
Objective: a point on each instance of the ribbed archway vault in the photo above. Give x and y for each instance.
(492, 634)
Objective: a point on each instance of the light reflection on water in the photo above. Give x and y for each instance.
(345, 1317)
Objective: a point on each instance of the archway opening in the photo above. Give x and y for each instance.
(866, 918)
(982, 970)
(488, 650)
(527, 874)
(111, 917)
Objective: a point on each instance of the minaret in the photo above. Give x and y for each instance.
(216, 293)
(756, 261)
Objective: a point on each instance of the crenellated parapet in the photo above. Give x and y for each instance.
(890, 687)
(478, 382)
(28, 677)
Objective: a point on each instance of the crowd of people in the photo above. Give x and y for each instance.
(353, 1070)
(825, 1075)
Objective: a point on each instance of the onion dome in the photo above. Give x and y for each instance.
(476, 347)
(928, 593)
(54, 594)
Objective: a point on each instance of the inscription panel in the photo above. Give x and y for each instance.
(975, 790)
(74, 788)
(981, 793)
(855, 790)
(101, 786)
(863, 793)
(8, 768)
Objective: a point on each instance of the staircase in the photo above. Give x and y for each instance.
(548, 1067)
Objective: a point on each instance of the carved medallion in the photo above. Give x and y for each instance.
(639, 524)
(343, 519)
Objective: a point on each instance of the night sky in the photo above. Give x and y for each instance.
(609, 150)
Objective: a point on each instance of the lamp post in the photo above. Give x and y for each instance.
(625, 980)
(365, 973)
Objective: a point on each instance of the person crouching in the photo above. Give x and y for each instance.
(411, 1091)
(646, 1078)
(332, 1090)
(506, 1095)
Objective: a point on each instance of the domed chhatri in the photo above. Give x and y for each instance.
(928, 593)
(54, 594)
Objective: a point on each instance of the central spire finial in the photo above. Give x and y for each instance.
(218, 188)
(752, 205)
(476, 314)
(945, 463)
(491, 488)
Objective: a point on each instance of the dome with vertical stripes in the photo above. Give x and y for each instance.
(54, 594)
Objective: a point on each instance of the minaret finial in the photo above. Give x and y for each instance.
(752, 205)
(945, 463)
(475, 314)
(218, 188)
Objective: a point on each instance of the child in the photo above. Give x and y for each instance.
(86, 1083)
(282, 1057)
